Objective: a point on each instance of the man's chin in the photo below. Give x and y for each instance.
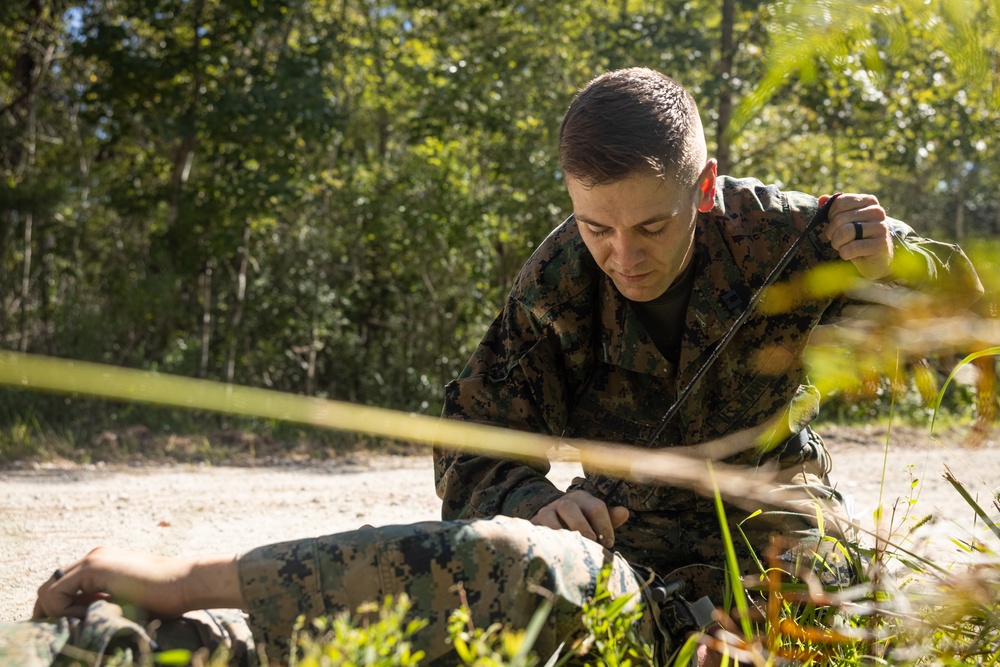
(636, 292)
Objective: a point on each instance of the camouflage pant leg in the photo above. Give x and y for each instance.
(814, 537)
(498, 562)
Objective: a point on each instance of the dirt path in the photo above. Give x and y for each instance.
(51, 516)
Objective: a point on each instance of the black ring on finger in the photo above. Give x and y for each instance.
(859, 232)
(58, 574)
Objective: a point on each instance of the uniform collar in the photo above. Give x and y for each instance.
(719, 296)
(624, 341)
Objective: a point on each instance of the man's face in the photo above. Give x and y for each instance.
(641, 229)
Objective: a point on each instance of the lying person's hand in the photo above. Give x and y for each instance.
(587, 515)
(162, 585)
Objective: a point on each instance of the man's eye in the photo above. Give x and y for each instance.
(654, 232)
(599, 231)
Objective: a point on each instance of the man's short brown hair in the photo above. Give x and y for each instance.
(632, 121)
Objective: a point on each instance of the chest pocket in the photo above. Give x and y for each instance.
(618, 405)
(527, 393)
(748, 392)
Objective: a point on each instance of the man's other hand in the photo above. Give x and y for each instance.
(859, 231)
(587, 515)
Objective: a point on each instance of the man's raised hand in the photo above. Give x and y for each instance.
(858, 229)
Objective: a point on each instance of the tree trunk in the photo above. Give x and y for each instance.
(67, 279)
(206, 320)
(241, 290)
(184, 157)
(6, 287)
(24, 171)
(727, 50)
(960, 204)
(314, 347)
(45, 279)
(26, 281)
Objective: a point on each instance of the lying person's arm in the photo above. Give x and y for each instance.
(162, 585)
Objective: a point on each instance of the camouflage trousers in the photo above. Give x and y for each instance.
(502, 566)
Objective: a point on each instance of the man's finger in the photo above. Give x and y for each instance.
(552, 516)
(866, 248)
(46, 593)
(846, 209)
(599, 517)
(619, 515)
(547, 517)
(850, 200)
(615, 516)
(575, 517)
(579, 511)
(562, 515)
(843, 227)
(61, 595)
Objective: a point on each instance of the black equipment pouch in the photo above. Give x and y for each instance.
(677, 617)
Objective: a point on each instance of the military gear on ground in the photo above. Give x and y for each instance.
(106, 632)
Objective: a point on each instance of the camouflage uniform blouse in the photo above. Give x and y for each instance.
(568, 356)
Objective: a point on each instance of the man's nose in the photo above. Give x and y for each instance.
(627, 254)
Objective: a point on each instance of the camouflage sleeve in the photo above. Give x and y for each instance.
(516, 380)
(919, 263)
(933, 267)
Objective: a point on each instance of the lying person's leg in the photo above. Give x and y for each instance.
(505, 567)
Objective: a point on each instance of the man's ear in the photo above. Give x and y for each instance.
(706, 186)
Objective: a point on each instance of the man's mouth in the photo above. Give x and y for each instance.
(633, 278)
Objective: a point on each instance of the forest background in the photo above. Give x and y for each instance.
(332, 197)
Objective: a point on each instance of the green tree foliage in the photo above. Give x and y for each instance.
(904, 95)
(331, 197)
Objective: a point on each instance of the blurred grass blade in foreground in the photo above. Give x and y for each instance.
(685, 467)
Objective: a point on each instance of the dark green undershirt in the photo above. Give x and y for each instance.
(663, 317)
